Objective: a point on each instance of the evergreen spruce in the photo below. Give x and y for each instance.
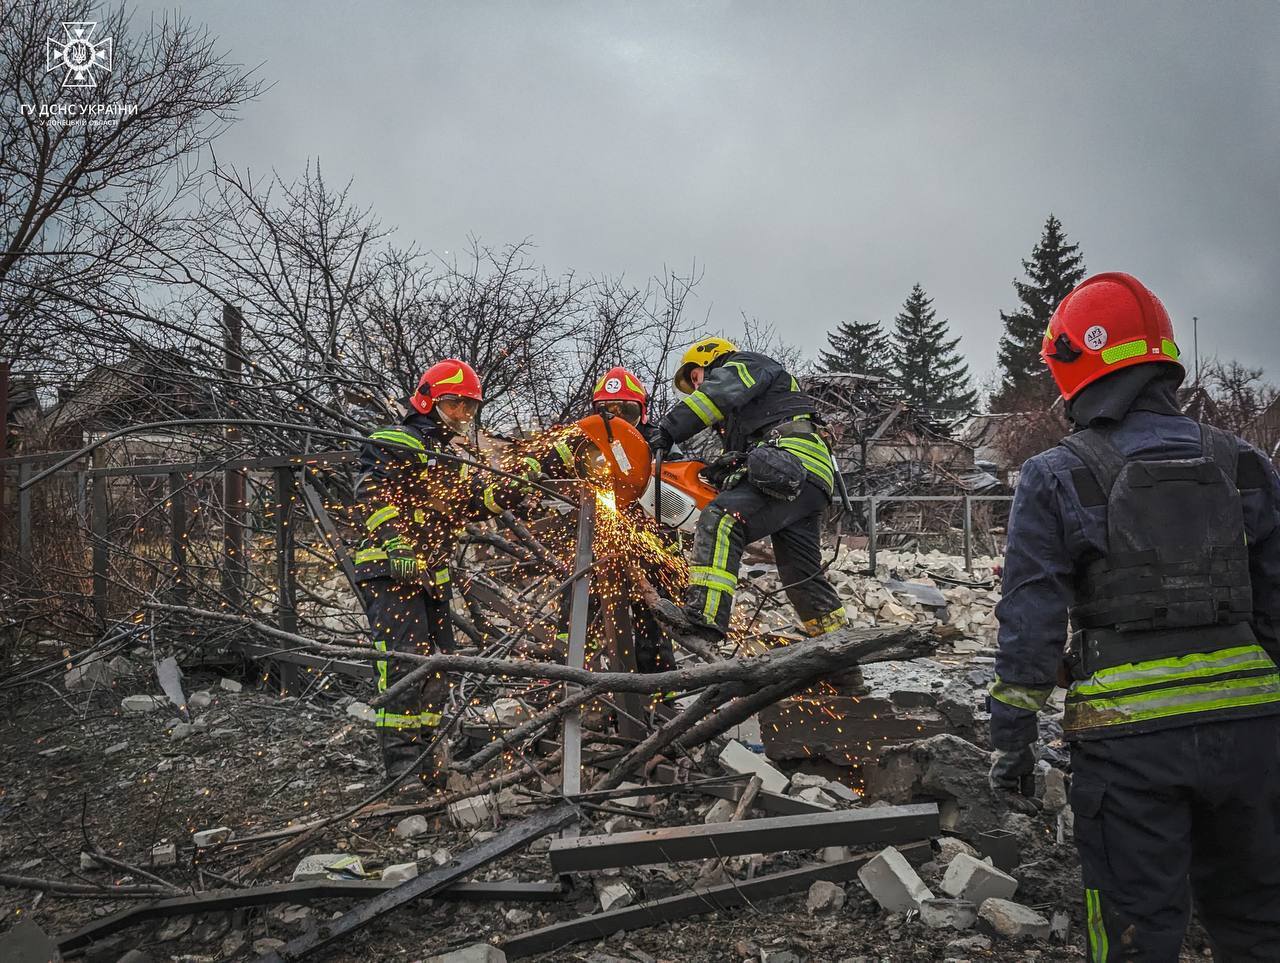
(857, 346)
(927, 368)
(1055, 267)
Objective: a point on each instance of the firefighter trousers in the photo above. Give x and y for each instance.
(744, 514)
(1164, 817)
(408, 618)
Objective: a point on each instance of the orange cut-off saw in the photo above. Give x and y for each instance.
(613, 449)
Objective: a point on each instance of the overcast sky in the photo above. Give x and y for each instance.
(816, 159)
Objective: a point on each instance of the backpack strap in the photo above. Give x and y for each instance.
(1220, 447)
(1103, 464)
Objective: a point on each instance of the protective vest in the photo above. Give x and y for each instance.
(413, 500)
(1161, 620)
(748, 398)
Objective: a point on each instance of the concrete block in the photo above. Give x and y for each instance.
(230, 685)
(142, 703)
(719, 812)
(738, 758)
(892, 882)
(470, 813)
(972, 879)
(806, 780)
(412, 826)
(825, 897)
(816, 796)
(200, 700)
(476, 953)
(948, 914)
(613, 893)
(949, 847)
(164, 854)
(834, 854)
(1055, 790)
(1013, 920)
(182, 730)
(211, 837)
(88, 675)
(400, 872)
(361, 711)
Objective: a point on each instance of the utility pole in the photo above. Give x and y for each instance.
(1195, 344)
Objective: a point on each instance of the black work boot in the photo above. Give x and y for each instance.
(689, 630)
(400, 751)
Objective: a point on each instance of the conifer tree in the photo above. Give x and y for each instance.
(1055, 267)
(927, 368)
(857, 346)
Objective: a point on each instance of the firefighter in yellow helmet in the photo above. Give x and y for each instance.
(776, 481)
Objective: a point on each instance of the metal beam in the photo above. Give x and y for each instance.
(697, 901)
(513, 891)
(515, 837)
(854, 827)
(579, 617)
(258, 650)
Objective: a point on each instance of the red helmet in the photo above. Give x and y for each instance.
(447, 378)
(621, 386)
(1108, 322)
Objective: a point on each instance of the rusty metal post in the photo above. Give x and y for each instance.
(871, 534)
(24, 524)
(579, 610)
(99, 526)
(286, 588)
(178, 537)
(968, 534)
(233, 528)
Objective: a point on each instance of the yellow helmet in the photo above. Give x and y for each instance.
(702, 354)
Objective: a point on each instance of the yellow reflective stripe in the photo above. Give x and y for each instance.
(399, 720)
(631, 385)
(1196, 666)
(702, 406)
(401, 438)
(719, 559)
(369, 555)
(442, 576)
(1167, 347)
(1162, 703)
(1098, 947)
(565, 453)
(489, 502)
(716, 578)
(825, 623)
(1120, 352)
(743, 374)
(1027, 697)
(453, 379)
(820, 465)
(384, 514)
(381, 664)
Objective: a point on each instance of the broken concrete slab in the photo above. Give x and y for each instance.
(361, 711)
(613, 893)
(399, 872)
(825, 897)
(211, 837)
(953, 914)
(164, 854)
(720, 811)
(200, 700)
(229, 685)
(476, 953)
(471, 813)
(893, 882)
(182, 731)
(26, 942)
(949, 847)
(738, 758)
(87, 676)
(970, 878)
(1055, 790)
(943, 767)
(412, 826)
(1013, 920)
(143, 703)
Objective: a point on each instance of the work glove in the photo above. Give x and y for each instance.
(403, 564)
(1012, 777)
(719, 470)
(659, 439)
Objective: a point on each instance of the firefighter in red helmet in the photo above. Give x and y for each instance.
(414, 502)
(620, 394)
(1151, 544)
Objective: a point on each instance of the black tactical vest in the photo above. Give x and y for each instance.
(1175, 577)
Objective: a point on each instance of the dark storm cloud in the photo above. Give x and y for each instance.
(815, 159)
